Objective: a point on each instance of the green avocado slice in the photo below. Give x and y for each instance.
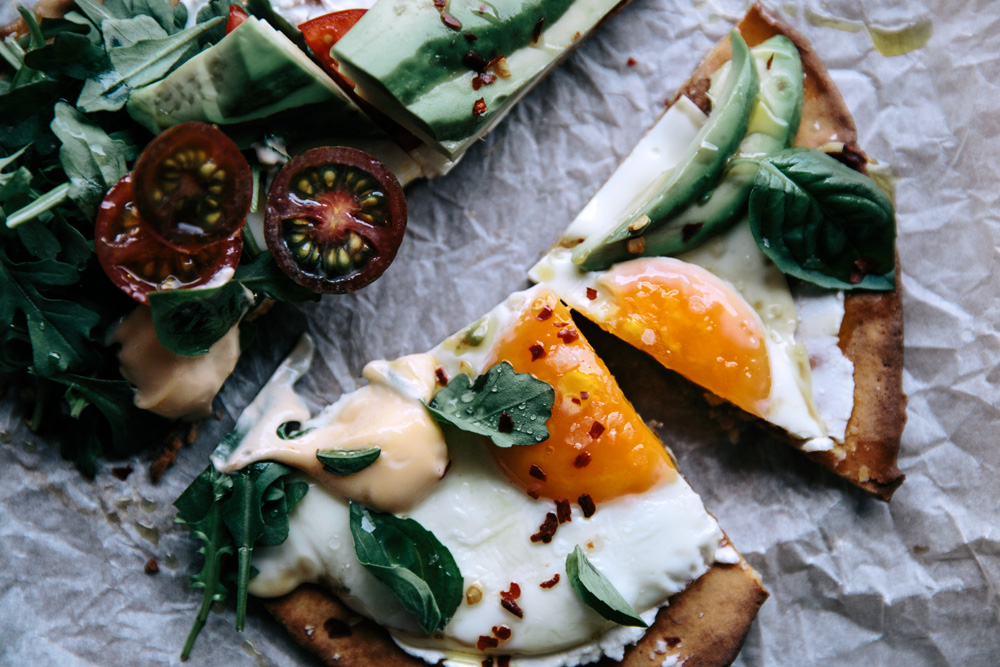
(695, 174)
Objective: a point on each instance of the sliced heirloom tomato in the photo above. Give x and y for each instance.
(237, 15)
(335, 218)
(322, 32)
(139, 262)
(192, 184)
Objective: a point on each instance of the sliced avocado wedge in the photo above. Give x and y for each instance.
(774, 121)
(693, 177)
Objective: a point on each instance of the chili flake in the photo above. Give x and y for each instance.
(770, 61)
(551, 582)
(584, 395)
(440, 4)
(470, 37)
(441, 376)
(569, 335)
(591, 293)
(586, 504)
(544, 314)
(582, 460)
(576, 401)
(537, 351)
(690, 230)
(479, 108)
(536, 472)
(486, 642)
(507, 600)
(450, 21)
(547, 530)
(151, 566)
(533, 494)
(506, 424)
(503, 661)
(632, 62)
(596, 429)
(501, 632)
(122, 472)
(537, 32)
(563, 511)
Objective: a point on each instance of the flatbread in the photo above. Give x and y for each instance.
(871, 334)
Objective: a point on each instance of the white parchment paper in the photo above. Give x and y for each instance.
(852, 580)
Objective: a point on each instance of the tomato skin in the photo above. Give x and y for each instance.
(335, 219)
(192, 185)
(322, 32)
(237, 15)
(139, 262)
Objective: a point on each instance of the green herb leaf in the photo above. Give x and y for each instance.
(70, 54)
(92, 160)
(419, 571)
(510, 408)
(188, 322)
(598, 593)
(343, 462)
(262, 9)
(139, 64)
(823, 222)
(265, 279)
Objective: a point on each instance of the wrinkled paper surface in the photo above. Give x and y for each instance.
(852, 580)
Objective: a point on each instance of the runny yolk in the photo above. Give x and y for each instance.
(694, 323)
(597, 444)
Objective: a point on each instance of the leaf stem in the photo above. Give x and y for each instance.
(242, 582)
(49, 200)
(210, 579)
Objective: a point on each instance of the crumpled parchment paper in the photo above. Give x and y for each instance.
(852, 580)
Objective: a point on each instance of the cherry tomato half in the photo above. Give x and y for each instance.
(335, 218)
(192, 184)
(322, 32)
(139, 262)
(237, 15)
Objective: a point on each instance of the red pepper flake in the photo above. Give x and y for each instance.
(537, 32)
(563, 511)
(506, 424)
(591, 293)
(584, 395)
(866, 265)
(770, 61)
(122, 472)
(450, 21)
(507, 600)
(544, 314)
(440, 4)
(596, 429)
(632, 62)
(486, 78)
(503, 661)
(537, 472)
(851, 156)
(560, 325)
(673, 642)
(547, 530)
(151, 566)
(537, 351)
(476, 83)
(474, 61)
(512, 593)
(569, 335)
(690, 230)
(586, 503)
(582, 460)
(486, 642)
(441, 376)
(469, 37)
(501, 632)
(533, 494)
(576, 400)
(551, 582)
(479, 108)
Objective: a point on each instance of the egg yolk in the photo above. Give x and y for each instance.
(597, 444)
(694, 323)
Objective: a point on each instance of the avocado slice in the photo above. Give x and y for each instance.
(694, 176)
(253, 72)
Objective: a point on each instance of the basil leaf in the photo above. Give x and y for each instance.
(189, 321)
(343, 462)
(510, 408)
(598, 593)
(823, 222)
(411, 562)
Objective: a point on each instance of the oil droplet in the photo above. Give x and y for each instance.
(822, 21)
(252, 651)
(897, 41)
(147, 505)
(30, 446)
(333, 544)
(149, 533)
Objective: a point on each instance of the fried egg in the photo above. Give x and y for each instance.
(722, 315)
(637, 520)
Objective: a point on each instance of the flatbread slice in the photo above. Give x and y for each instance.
(871, 334)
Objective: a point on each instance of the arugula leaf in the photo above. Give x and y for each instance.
(92, 160)
(199, 507)
(823, 222)
(114, 399)
(597, 592)
(419, 571)
(70, 54)
(510, 408)
(265, 278)
(213, 9)
(189, 321)
(59, 329)
(343, 462)
(141, 63)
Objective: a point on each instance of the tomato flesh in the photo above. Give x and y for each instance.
(139, 262)
(237, 15)
(322, 32)
(335, 219)
(192, 185)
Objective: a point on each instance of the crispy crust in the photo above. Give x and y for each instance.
(704, 625)
(871, 334)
